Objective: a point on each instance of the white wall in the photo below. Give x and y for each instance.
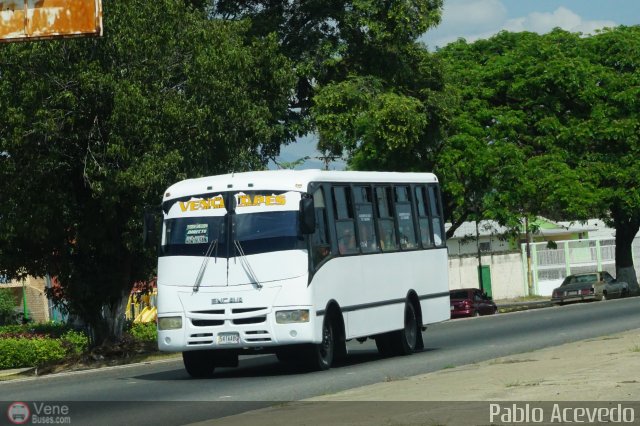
(506, 274)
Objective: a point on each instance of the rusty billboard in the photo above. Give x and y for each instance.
(45, 19)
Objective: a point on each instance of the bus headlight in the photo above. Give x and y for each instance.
(288, 317)
(169, 323)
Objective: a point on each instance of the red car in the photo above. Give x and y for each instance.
(471, 302)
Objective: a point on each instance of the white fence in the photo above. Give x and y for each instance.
(549, 266)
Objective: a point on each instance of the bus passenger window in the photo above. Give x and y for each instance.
(385, 219)
(436, 216)
(425, 235)
(346, 238)
(405, 220)
(320, 240)
(423, 217)
(345, 228)
(367, 240)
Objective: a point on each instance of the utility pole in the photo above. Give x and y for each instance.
(327, 159)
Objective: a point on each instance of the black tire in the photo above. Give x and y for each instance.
(406, 340)
(199, 364)
(320, 356)
(401, 342)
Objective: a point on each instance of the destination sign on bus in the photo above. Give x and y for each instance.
(243, 201)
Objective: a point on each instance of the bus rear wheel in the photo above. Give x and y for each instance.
(406, 340)
(199, 364)
(403, 341)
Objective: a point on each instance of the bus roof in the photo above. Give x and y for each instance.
(292, 180)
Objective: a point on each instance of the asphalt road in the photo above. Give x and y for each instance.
(163, 393)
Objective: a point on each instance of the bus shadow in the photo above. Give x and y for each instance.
(269, 366)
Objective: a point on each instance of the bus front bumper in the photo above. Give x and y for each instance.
(260, 331)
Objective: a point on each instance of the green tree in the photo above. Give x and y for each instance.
(95, 129)
(566, 106)
(333, 42)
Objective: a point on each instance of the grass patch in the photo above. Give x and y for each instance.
(635, 348)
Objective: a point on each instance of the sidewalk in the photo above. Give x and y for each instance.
(604, 369)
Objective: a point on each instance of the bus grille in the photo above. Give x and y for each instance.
(206, 323)
(251, 320)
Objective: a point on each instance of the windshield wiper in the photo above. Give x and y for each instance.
(203, 267)
(247, 265)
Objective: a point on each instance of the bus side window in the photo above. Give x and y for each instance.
(385, 219)
(364, 215)
(320, 239)
(405, 219)
(423, 217)
(436, 215)
(345, 229)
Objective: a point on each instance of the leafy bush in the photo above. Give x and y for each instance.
(144, 332)
(75, 342)
(32, 345)
(49, 329)
(16, 352)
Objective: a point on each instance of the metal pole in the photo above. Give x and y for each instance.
(25, 311)
(480, 281)
(529, 271)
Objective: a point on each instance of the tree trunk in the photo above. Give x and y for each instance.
(114, 317)
(626, 231)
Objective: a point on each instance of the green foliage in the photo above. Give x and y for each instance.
(545, 124)
(74, 342)
(38, 344)
(332, 42)
(49, 329)
(144, 331)
(95, 129)
(7, 306)
(18, 352)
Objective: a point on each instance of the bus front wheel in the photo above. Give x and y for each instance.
(320, 357)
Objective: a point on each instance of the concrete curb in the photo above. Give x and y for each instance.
(14, 371)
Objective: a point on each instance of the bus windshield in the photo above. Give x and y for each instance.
(256, 232)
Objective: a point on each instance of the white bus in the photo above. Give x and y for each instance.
(296, 263)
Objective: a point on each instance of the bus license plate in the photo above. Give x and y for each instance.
(231, 338)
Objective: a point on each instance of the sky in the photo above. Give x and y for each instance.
(477, 19)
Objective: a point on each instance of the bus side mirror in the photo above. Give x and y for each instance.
(307, 216)
(149, 232)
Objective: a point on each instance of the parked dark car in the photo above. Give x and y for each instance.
(589, 286)
(471, 302)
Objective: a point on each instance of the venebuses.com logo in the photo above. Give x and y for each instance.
(18, 413)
